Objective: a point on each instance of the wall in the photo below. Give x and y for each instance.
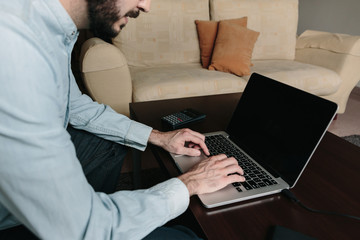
(339, 16)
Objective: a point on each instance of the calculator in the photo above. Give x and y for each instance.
(179, 119)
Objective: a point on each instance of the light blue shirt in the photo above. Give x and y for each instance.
(42, 184)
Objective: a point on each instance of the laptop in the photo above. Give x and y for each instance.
(273, 133)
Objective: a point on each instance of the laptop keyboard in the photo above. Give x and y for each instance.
(255, 176)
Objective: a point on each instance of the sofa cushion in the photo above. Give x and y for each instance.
(165, 35)
(181, 80)
(188, 80)
(314, 79)
(233, 49)
(276, 20)
(207, 32)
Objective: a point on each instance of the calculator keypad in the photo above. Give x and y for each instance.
(177, 118)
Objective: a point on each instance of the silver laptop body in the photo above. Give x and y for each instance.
(278, 127)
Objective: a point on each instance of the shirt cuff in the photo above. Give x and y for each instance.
(177, 194)
(138, 135)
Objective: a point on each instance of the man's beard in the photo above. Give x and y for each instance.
(102, 16)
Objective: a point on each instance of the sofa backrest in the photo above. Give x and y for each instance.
(276, 20)
(165, 35)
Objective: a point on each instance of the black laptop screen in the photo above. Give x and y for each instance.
(279, 126)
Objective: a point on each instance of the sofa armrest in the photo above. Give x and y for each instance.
(106, 74)
(339, 44)
(338, 52)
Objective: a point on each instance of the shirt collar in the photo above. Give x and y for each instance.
(65, 23)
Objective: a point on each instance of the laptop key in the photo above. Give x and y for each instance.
(236, 184)
(246, 186)
(257, 180)
(261, 184)
(260, 176)
(252, 175)
(267, 182)
(273, 181)
(253, 184)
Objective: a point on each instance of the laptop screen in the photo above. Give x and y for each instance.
(279, 126)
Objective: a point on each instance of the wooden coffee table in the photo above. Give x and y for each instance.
(329, 182)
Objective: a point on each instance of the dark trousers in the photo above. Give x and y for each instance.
(101, 161)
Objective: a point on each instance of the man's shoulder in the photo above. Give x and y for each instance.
(18, 18)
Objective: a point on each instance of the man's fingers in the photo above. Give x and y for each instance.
(234, 169)
(191, 152)
(225, 161)
(193, 145)
(228, 166)
(218, 157)
(212, 174)
(197, 138)
(199, 142)
(235, 178)
(197, 134)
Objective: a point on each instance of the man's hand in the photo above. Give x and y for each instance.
(183, 141)
(212, 174)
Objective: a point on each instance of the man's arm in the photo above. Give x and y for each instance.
(104, 122)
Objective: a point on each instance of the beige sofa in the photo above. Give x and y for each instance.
(157, 55)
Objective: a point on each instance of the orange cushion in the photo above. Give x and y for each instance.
(207, 31)
(233, 49)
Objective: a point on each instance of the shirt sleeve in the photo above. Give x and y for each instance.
(104, 122)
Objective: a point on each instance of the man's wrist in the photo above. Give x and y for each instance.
(189, 183)
(155, 138)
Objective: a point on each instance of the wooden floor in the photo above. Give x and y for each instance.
(348, 123)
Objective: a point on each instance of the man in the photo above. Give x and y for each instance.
(51, 135)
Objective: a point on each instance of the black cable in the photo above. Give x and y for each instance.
(290, 195)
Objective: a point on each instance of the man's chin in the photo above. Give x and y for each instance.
(107, 37)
